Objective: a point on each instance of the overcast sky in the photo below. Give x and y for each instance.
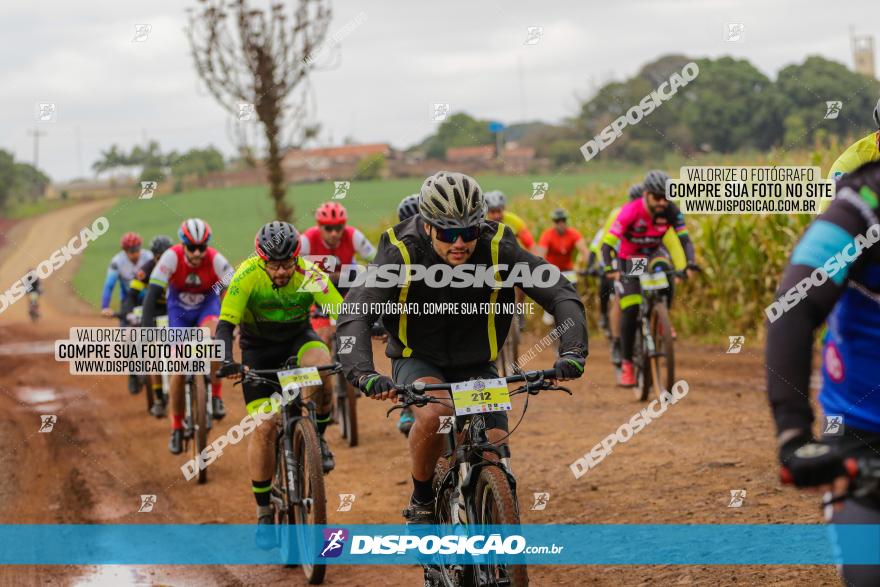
(405, 56)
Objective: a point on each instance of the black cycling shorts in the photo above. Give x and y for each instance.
(405, 371)
(274, 357)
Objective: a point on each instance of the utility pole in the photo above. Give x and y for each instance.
(37, 134)
(79, 159)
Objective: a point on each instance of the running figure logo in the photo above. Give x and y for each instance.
(47, 423)
(541, 500)
(833, 425)
(539, 189)
(147, 189)
(246, 112)
(832, 109)
(142, 32)
(46, 112)
(346, 344)
(737, 497)
(439, 112)
(147, 503)
(346, 500)
(333, 542)
(340, 189)
(735, 31)
(445, 425)
(638, 265)
(533, 35)
(736, 344)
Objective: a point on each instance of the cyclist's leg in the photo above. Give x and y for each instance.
(261, 444)
(425, 445)
(178, 318)
(662, 261)
(630, 298)
(312, 352)
(321, 325)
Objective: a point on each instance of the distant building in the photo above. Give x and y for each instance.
(484, 153)
(513, 157)
(329, 162)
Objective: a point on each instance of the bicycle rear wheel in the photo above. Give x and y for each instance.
(199, 410)
(495, 503)
(346, 409)
(309, 505)
(662, 360)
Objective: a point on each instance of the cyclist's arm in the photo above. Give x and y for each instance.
(234, 304)
(612, 236)
(135, 288)
(161, 274)
(362, 246)
(677, 221)
(109, 285)
(560, 299)
(543, 243)
(223, 269)
(583, 250)
(525, 237)
(790, 337)
(358, 324)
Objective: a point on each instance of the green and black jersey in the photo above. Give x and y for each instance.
(270, 315)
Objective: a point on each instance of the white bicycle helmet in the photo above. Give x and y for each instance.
(495, 199)
(452, 200)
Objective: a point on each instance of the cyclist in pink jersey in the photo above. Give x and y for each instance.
(639, 230)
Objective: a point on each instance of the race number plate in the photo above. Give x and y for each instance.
(480, 396)
(653, 281)
(294, 379)
(161, 321)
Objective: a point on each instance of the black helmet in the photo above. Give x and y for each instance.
(635, 192)
(877, 114)
(655, 182)
(277, 241)
(159, 245)
(409, 206)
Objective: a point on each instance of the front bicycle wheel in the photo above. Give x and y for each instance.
(495, 503)
(640, 365)
(310, 506)
(198, 395)
(662, 360)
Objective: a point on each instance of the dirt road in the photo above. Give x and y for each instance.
(105, 452)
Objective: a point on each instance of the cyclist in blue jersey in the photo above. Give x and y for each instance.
(123, 267)
(833, 277)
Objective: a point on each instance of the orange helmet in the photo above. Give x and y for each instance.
(331, 213)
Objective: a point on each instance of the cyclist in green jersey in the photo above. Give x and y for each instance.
(863, 151)
(270, 298)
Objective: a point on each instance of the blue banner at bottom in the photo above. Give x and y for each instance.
(659, 544)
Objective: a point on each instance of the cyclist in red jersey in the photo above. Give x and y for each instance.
(331, 243)
(194, 274)
(558, 244)
(639, 230)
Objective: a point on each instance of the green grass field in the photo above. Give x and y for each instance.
(235, 214)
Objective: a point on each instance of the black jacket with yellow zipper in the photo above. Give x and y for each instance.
(449, 340)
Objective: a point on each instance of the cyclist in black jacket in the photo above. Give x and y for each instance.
(833, 277)
(450, 229)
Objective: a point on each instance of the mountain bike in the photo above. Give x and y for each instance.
(297, 492)
(136, 383)
(653, 350)
(473, 482)
(198, 418)
(345, 396)
(509, 351)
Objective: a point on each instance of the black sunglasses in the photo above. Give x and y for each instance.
(334, 227)
(194, 248)
(132, 249)
(450, 235)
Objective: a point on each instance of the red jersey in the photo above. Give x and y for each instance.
(560, 247)
(189, 284)
(353, 242)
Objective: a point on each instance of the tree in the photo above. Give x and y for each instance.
(458, 130)
(371, 167)
(198, 162)
(7, 176)
(258, 59)
(110, 160)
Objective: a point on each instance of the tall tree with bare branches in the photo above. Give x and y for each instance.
(250, 56)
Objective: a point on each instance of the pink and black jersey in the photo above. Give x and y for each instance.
(641, 234)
